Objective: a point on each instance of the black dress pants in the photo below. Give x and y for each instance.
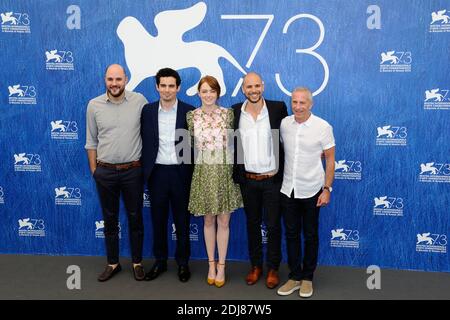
(110, 184)
(168, 189)
(262, 203)
(301, 215)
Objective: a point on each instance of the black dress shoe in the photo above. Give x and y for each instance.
(109, 272)
(183, 273)
(138, 272)
(156, 270)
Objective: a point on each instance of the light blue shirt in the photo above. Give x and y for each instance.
(167, 123)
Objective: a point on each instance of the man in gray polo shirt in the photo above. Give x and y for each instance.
(113, 145)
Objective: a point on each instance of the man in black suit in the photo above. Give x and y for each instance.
(258, 169)
(167, 171)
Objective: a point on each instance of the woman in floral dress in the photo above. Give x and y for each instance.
(214, 195)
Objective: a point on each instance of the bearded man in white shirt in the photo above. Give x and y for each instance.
(259, 174)
(306, 187)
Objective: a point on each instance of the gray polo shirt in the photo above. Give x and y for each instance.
(114, 130)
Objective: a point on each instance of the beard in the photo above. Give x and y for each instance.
(118, 94)
(249, 98)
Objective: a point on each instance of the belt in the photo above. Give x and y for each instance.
(120, 166)
(258, 177)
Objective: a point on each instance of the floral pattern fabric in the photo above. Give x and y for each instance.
(212, 190)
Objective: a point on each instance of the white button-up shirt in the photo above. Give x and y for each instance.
(257, 143)
(303, 146)
(166, 127)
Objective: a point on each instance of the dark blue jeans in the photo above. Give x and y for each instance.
(301, 216)
(110, 184)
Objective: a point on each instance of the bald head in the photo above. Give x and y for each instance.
(252, 76)
(253, 88)
(115, 68)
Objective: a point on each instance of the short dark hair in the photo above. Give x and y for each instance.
(212, 82)
(167, 72)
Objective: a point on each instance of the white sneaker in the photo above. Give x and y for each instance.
(306, 289)
(289, 287)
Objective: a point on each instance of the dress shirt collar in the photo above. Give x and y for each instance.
(126, 97)
(307, 123)
(264, 109)
(173, 109)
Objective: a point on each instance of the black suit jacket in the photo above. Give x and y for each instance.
(150, 137)
(277, 111)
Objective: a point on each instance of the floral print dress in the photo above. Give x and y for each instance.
(212, 190)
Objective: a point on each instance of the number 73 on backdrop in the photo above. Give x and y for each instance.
(309, 51)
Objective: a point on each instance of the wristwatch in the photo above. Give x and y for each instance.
(327, 188)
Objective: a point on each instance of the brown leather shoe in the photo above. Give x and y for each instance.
(109, 272)
(272, 279)
(138, 272)
(254, 275)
